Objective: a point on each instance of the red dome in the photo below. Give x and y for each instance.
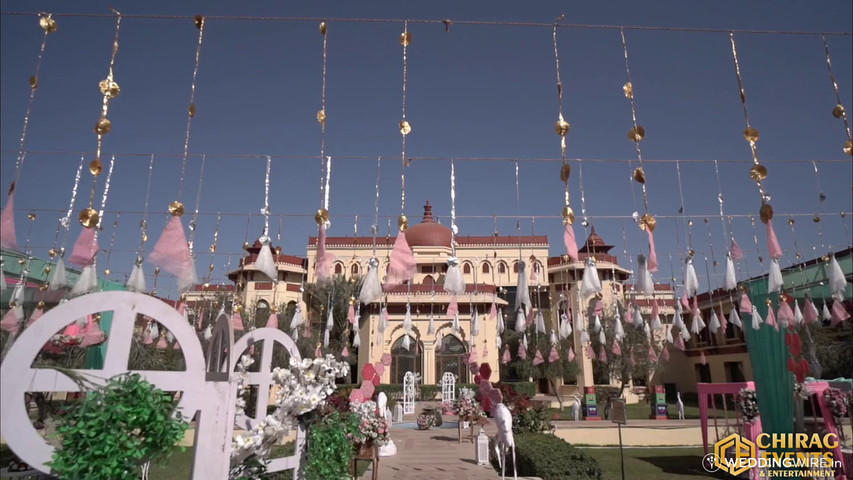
(428, 233)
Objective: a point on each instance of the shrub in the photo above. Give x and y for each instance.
(330, 446)
(551, 458)
(523, 388)
(428, 392)
(534, 420)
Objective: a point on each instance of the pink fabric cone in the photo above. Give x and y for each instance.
(679, 342)
(602, 355)
(8, 239)
(685, 302)
(386, 359)
(655, 309)
(554, 355)
(237, 322)
(37, 313)
(653, 256)
(522, 352)
(590, 353)
(172, 253)
(272, 322)
(92, 334)
(809, 312)
(493, 313)
(839, 313)
(771, 318)
(537, 359)
(745, 304)
(617, 349)
(345, 351)
(147, 340)
(772, 242)
(702, 359)
(402, 267)
(724, 324)
(10, 321)
(571, 243)
(785, 315)
(665, 354)
(379, 368)
(318, 353)
(530, 320)
(653, 356)
(506, 356)
(162, 342)
(453, 307)
(324, 258)
(72, 330)
(85, 248)
(631, 359)
(351, 314)
(599, 308)
(735, 251)
(176, 345)
(571, 355)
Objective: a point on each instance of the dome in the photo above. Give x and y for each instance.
(428, 233)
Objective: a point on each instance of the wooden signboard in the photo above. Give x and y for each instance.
(617, 412)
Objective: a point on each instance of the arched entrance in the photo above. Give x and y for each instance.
(403, 360)
(451, 357)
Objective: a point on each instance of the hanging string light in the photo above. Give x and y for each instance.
(838, 111)
(324, 260)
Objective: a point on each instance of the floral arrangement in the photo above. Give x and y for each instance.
(304, 386)
(426, 421)
(467, 405)
(802, 391)
(746, 403)
(372, 426)
(837, 401)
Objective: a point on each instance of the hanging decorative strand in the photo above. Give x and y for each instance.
(172, 251)
(193, 225)
(7, 217)
(402, 266)
(265, 262)
(324, 260)
(730, 278)
(136, 280)
(371, 288)
(636, 134)
(86, 248)
(562, 128)
(454, 283)
(838, 111)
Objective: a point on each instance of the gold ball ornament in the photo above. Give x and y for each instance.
(323, 28)
(89, 217)
(322, 216)
(47, 269)
(648, 222)
(34, 82)
(636, 134)
(103, 126)
(109, 88)
(568, 215)
(405, 39)
(838, 111)
(758, 172)
(640, 175)
(562, 127)
(31, 216)
(176, 208)
(52, 252)
(47, 23)
(565, 172)
(405, 127)
(751, 134)
(403, 223)
(107, 272)
(96, 167)
(199, 21)
(766, 213)
(628, 89)
(321, 117)
(848, 147)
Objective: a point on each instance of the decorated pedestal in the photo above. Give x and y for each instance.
(591, 401)
(661, 409)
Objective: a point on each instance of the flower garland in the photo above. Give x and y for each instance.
(746, 403)
(802, 391)
(837, 401)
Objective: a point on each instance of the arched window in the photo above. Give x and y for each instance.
(262, 313)
(403, 360)
(501, 267)
(466, 268)
(428, 280)
(514, 267)
(486, 267)
(354, 270)
(339, 269)
(451, 358)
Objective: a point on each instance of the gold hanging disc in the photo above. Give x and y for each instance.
(47, 269)
(191, 110)
(245, 245)
(405, 39)
(176, 208)
(89, 217)
(322, 216)
(562, 127)
(838, 111)
(212, 249)
(47, 23)
(405, 128)
(403, 223)
(568, 215)
(109, 88)
(31, 216)
(96, 167)
(758, 172)
(565, 172)
(628, 88)
(640, 175)
(323, 28)
(848, 147)
(635, 134)
(103, 126)
(766, 213)
(321, 117)
(34, 82)
(199, 21)
(816, 218)
(750, 134)
(648, 222)
(52, 252)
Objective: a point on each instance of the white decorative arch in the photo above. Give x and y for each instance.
(448, 387)
(408, 393)
(212, 399)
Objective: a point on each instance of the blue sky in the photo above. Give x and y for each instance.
(475, 91)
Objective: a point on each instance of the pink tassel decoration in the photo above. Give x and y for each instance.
(665, 354)
(92, 334)
(345, 351)
(679, 343)
(485, 353)
(810, 312)
(653, 256)
(685, 302)
(522, 352)
(771, 318)
(162, 342)
(702, 359)
(602, 355)
(735, 251)
(653, 356)
(745, 304)
(571, 355)
(351, 314)
(237, 322)
(617, 349)
(8, 239)
(403, 266)
(590, 353)
(554, 356)
(172, 254)
(839, 313)
(318, 353)
(453, 307)
(10, 320)
(506, 356)
(772, 242)
(37, 313)
(272, 321)
(325, 259)
(571, 243)
(176, 345)
(147, 340)
(85, 248)
(537, 359)
(785, 315)
(724, 324)
(631, 359)
(599, 308)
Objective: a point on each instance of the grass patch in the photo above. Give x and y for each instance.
(636, 411)
(651, 463)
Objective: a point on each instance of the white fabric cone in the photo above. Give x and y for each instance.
(475, 324)
(565, 327)
(553, 337)
(685, 334)
(678, 318)
(578, 323)
(756, 319)
(297, 320)
(208, 333)
(647, 330)
(691, 281)
(669, 335)
(59, 278)
(498, 342)
(638, 318)
(596, 323)
(136, 280)
(584, 337)
(645, 284)
(454, 282)
(371, 288)
(618, 331)
(501, 325)
(540, 322)
(656, 325)
(407, 319)
(266, 263)
(455, 326)
(383, 320)
(87, 281)
(17, 294)
(169, 337)
(701, 320)
(520, 321)
(155, 330)
(695, 325)
(431, 327)
(356, 340)
(294, 334)
(714, 323)
(326, 337)
(602, 338)
(730, 280)
(522, 293)
(826, 315)
(837, 282)
(330, 320)
(774, 279)
(524, 341)
(798, 314)
(590, 283)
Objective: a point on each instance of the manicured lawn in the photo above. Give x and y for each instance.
(636, 411)
(651, 463)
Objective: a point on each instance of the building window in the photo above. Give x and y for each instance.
(501, 267)
(428, 280)
(515, 267)
(486, 267)
(451, 358)
(403, 360)
(466, 268)
(734, 372)
(703, 373)
(354, 270)
(339, 269)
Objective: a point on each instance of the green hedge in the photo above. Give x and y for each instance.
(523, 388)
(428, 392)
(551, 458)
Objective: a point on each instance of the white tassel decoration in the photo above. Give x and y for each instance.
(330, 320)
(524, 341)
(383, 320)
(540, 322)
(826, 315)
(59, 278)
(522, 293)
(590, 283)
(155, 331)
(407, 319)
(647, 330)
(601, 338)
(431, 327)
(371, 288)
(596, 324)
(326, 335)
(295, 334)
(87, 281)
(454, 282)
(475, 324)
(498, 342)
(734, 318)
(837, 281)
(691, 281)
(656, 324)
(638, 318)
(669, 336)
(439, 342)
(265, 262)
(645, 284)
(756, 319)
(501, 325)
(208, 333)
(685, 334)
(584, 337)
(677, 319)
(553, 337)
(695, 325)
(455, 328)
(714, 323)
(730, 280)
(618, 331)
(699, 317)
(356, 340)
(136, 280)
(520, 321)
(798, 314)
(565, 327)
(407, 342)
(774, 279)
(296, 321)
